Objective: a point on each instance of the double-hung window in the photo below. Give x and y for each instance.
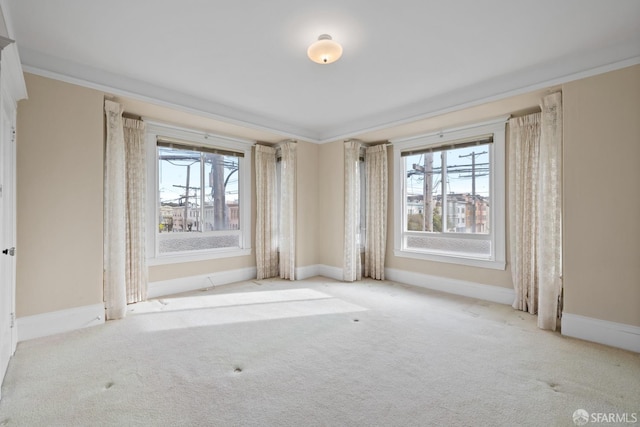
(450, 195)
(200, 206)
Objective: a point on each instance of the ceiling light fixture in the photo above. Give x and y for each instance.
(325, 50)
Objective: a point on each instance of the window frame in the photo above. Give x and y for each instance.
(497, 259)
(157, 130)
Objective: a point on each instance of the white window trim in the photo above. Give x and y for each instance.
(156, 129)
(495, 126)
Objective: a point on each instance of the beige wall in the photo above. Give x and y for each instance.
(59, 197)
(307, 207)
(602, 197)
(331, 207)
(60, 158)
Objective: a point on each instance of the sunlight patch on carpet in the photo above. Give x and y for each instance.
(211, 310)
(225, 300)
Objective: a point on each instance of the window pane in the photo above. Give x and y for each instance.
(449, 246)
(179, 188)
(424, 192)
(221, 193)
(468, 198)
(198, 194)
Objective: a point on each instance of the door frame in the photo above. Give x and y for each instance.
(12, 90)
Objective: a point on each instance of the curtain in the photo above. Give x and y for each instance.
(136, 183)
(352, 267)
(524, 153)
(535, 193)
(376, 211)
(266, 212)
(287, 236)
(550, 212)
(114, 214)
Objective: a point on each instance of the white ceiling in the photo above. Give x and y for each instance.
(244, 62)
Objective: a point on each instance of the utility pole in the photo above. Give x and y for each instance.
(473, 155)
(428, 192)
(186, 200)
(217, 183)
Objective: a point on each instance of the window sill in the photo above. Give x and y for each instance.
(199, 256)
(452, 259)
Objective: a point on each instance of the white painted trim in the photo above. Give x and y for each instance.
(328, 271)
(71, 72)
(496, 127)
(154, 130)
(496, 89)
(204, 281)
(546, 75)
(604, 332)
(55, 322)
(14, 75)
(335, 273)
(452, 286)
(307, 272)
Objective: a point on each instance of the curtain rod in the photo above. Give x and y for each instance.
(126, 115)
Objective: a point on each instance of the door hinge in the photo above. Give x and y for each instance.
(13, 320)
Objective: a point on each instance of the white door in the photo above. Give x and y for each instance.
(8, 335)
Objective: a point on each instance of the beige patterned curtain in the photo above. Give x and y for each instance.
(266, 211)
(376, 211)
(136, 182)
(115, 294)
(550, 212)
(524, 156)
(287, 237)
(535, 194)
(125, 269)
(352, 266)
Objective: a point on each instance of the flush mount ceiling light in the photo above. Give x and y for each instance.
(325, 50)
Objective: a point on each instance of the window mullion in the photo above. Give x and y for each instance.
(203, 165)
(443, 183)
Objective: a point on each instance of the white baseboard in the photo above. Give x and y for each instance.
(307, 271)
(613, 334)
(318, 270)
(453, 286)
(335, 273)
(194, 283)
(55, 322)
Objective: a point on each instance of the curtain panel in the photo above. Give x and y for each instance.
(524, 153)
(352, 265)
(376, 211)
(136, 182)
(550, 212)
(535, 193)
(115, 294)
(287, 238)
(266, 212)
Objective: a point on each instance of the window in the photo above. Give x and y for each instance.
(201, 198)
(449, 195)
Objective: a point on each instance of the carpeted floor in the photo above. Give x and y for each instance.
(317, 353)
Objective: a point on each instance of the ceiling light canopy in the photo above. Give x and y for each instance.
(325, 50)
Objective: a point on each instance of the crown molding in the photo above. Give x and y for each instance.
(498, 88)
(82, 75)
(516, 83)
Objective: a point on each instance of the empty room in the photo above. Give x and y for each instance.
(408, 213)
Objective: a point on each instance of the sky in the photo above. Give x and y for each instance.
(459, 176)
(174, 172)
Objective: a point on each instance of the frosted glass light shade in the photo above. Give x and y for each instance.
(325, 50)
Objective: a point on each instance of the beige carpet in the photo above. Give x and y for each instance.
(316, 353)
